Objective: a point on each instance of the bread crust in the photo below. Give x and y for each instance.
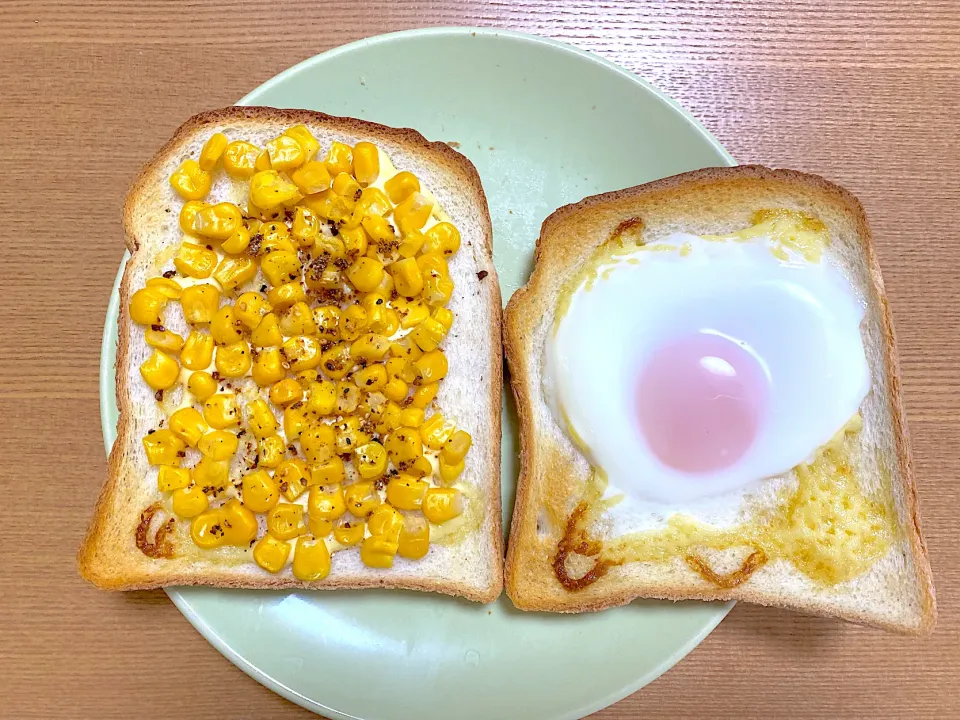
(109, 563)
(567, 239)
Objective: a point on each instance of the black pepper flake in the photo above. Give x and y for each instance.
(158, 395)
(169, 274)
(482, 274)
(181, 453)
(263, 288)
(215, 375)
(156, 327)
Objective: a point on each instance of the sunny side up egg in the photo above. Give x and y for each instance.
(694, 367)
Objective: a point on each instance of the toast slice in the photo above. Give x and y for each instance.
(469, 395)
(895, 593)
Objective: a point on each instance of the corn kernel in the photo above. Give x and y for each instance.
(397, 367)
(412, 214)
(444, 317)
(201, 385)
(365, 274)
(424, 395)
(260, 491)
(209, 473)
(361, 498)
(395, 389)
(225, 327)
(281, 267)
(355, 240)
(239, 159)
(442, 504)
(428, 335)
(206, 530)
(327, 205)
(234, 360)
(326, 504)
(305, 377)
(411, 244)
(404, 445)
(407, 278)
(306, 226)
(250, 309)
(271, 451)
(353, 321)
(268, 367)
(267, 333)
(284, 391)
(302, 352)
(317, 443)
(346, 187)
(168, 287)
(236, 243)
(260, 419)
(219, 444)
(435, 431)
(307, 141)
(212, 150)
(414, 540)
(311, 560)
(366, 163)
(437, 290)
(275, 236)
(292, 476)
(420, 468)
(171, 478)
(450, 471)
(269, 190)
(195, 261)
(294, 421)
(319, 527)
(190, 180)
(370, 347)
(285, 521)
(432, 366)
(378, 552)
(442, 237)
(271, 554)
(188, 215)
(389, 417)
(160, 371)
(379, 230)
(348, 531)
(337, 362)
(348, 397)
(188, 425)
(311, 178)
(240, 527)
(218, 221)
(327, 319)
(221, 411)
(323, 398)
(285, 153)
(146, 306)
(412, 312)
(371, 378)
(401, 186)
(200, 303)
(385, 522)
(411, 417)
(284, 296)
(233, 272)
(189, 502)
(298, 320)
(371, 460)
(162, 447)
(339, 159)
(406, 492)
(329, 472)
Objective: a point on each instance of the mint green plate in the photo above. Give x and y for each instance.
(545, 124)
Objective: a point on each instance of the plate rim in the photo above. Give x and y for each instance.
(108, 344)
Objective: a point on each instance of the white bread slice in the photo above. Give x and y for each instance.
(469, 395)
(896, 593)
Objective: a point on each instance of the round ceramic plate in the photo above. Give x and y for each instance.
(546, 125)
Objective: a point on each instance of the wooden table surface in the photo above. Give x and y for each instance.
(863, 92)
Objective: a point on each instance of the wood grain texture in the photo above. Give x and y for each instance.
(861, 91)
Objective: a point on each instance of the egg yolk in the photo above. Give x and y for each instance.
(700, 400)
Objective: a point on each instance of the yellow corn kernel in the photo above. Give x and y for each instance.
(212, 150)
(167, 287)
(311, 178)
(275, 236)
(411, 244)
(171, 478)
(292, 476)
(326, 503)
(348, 397)
(294, 421)
(311, 559)
(372, 201)
(146, 306)
(327, 319)
(339, 159)
(329, 472)
(281, 267)
(284, 391)
(236, 243)
(406, 492)
(401, 186)
(160, 371)
(284, 296)
(378, 552)
(240, 527)
(188, 425)
(190, 180)
(269, 190)
(168, 342)
(435, 431)
(200, 303)
(302, 352)
(404, 445)
(428, 335)
(218, 221)
(327, 205)
(437, 290)
(420, 468)
(268, 367)
(260, 419)
(450, 471)
(270, 451)
(201, 385)
(442, 504)
(411, 417)
(285, 153)
(395, 389)
(195, 261)
(407, 278)
(389, 417)
(424, 395)
(233, 272)
(385, 522)
(207, 529)
(361, 498)
(267, 333)
(323, 398)
(218, 444)
(379, 230)
(337, 362)
(385, 287)
(353, 321)
(371, 378)
(370, 347)
(260, 491)
(298, 320)
(263, 161)
(234, 360)
(442, 237)
(371, 460)
(366, 163)
(317, 443)
(322, 278)
(432, 366)
(412, 214)
(365, 274)
(239, 159)
(397, 367)
(209, 473)
(162, 447)
(355, 240)
(346, 187)
(271, 554)
(414, 540)
(189, 502)
(306, 226)
(250, 309)
(305, 138)
(444, 317)
(221, 411)
(285, 521)
(319, 527)
(348, 531)
(188, 215)
(225, 327)
(411, 312)
(456, 447)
